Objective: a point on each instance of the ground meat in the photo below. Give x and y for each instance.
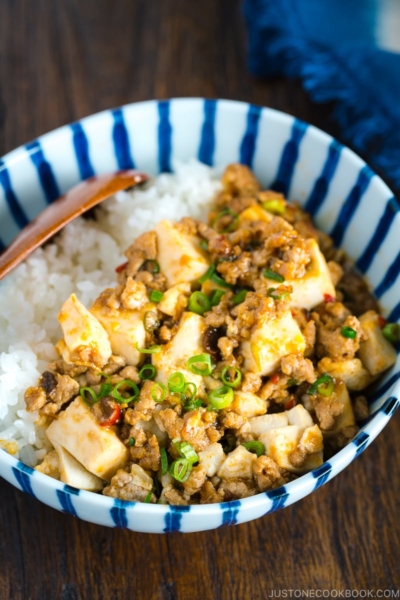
(333, 344)
(239, 180)
(134, 295)
(35, 398)
(251, 382)
(267, 474)
(275, 389)
(171, 422)
(147, 456)
(326, 411)
(235, 489)
(64, 368)
(199, 428)
(196, 480)
(219, 247)
(361, 409)
(298, 368)
(240, 271)
(209, 495)
(227, 346)
(144, 407)
(335, 271)
(114, 365)
(130, 373)
(125, 487)
(357, 296)
(232, 420)
(165, 334)
(145, 243)
(188, 225)
(93, 377)
(219, 314)
(48, 382)
(174, 497)
(340, 439)
(66, 389)
(248, 313)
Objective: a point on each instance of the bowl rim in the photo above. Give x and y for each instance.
(300, 487)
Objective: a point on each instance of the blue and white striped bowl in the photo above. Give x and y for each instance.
(346, 198)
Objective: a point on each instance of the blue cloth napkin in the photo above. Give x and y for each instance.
(347, 51)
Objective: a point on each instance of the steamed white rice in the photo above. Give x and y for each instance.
(82, 259)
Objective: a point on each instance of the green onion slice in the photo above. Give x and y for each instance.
(349, 333)
(208, 274)
(391, 331)
(199, 303)
(237, 377)
(186, 451)
(151, 321)
(324, 386)
(193, 404)
(150, 265)
(270, 274)
(164, 461)
(176, 383)
(292, 382)
(215, 297)
(131, 441)
(277, 207)
(255, 447)
(181, 469)
(156, 296)
(240, 297)
(152, 350)
(223, 213)
(219, 281)
(158, 392)
(147, 372)
(200, 359)
(105, 390)
(281, 296)
(91, 392)
(221, 397)
(190, 390)
(204, 245)
(148, 497)
(117, 396)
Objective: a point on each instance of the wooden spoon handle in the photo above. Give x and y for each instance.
(74, 203)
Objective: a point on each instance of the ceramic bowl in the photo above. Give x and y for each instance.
(346, 198)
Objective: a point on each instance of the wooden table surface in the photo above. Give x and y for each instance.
(60, 61)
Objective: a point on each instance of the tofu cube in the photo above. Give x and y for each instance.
(312, 440)
(248, 404)
(86, 342)
(259, 425)
(346, 418)
(270, 341)
(238, 464)
(97, 448)
(75, 474)
(180, 256)
(124, 327)
(352, 372)
(212, 458)
(186, 343)
(170, 302)
(141, 478)
(281, 442)
(299, 416)
(377, 353)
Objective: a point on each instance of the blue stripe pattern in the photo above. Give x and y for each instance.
(321, 185)
(289, 158)
(390, 406)
(395, 314)
(321, 474)
(278, 497)
(118, 513)
(173, 518)
(45, 172)
(15, 208)
(22, 474)
(390, 277)
(66, 503)
(207, 142)
(384, 388)
(230, 512)
(350, 205)
(120, 137)
(248, 145)
(385, 222)
(2, 245)
(81, 146)
(164, 137)
(361, 441)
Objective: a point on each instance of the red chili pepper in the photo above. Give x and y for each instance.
(120, 268)
(382, 322)
(113, 418)
(290, 404)
(329, 298)
(274, 378)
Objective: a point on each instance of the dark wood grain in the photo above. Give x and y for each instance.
(60, 61)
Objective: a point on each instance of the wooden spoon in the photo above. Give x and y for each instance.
(74, 203)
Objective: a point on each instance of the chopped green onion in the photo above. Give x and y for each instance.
(204, 245)
(199, 303)
(148, 497)
(158, 388)
(191, 388)
(391, 331)
(270, 274)
(150, 265)
(237, 378)
(200, 359)
(324, 386)
(219, 281)
(181, 469)
(152, 350)
(193, 404)
(156, 296)
(221, 397)
(176, 382)
(223, 213)
(255, 447)
(349, 333)
(105, 389)
(215, 297)
(240, 297)
(277, 207)
(115, 394)
(151, 321)
(186, 451)
(131, 441)
(281, 296)
(91, 392)
(292, 382)
(147, 372)
(164, 461)
(208, 274)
